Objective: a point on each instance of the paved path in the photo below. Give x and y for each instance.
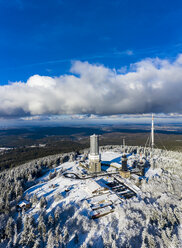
(65, 174)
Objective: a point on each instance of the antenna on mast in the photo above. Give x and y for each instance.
(124, 142)
(123, 145)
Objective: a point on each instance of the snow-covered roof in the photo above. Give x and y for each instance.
(23, 203)
(116, 165)
(93, 185)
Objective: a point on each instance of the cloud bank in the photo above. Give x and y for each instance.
(151, 85)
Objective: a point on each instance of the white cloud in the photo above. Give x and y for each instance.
(129, 52)
(152, 85)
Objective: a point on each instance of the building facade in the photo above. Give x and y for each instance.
(94, 156)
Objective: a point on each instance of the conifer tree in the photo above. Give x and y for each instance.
(51, 240)
(43, 202)
(50, 221)
(10, 228)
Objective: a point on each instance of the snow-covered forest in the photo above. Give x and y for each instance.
(60, 218)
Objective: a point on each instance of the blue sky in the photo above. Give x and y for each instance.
(44, 36)
(81, 57)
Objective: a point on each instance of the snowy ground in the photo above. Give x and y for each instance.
(122, 228)
(152, 218)
(78, 190)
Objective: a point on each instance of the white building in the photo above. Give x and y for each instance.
(94, 156)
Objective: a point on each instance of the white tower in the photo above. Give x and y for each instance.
(94, 145)
(94, 156)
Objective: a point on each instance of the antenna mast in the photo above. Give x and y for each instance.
(152, 132)
(123, 142)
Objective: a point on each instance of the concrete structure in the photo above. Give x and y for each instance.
(124, 174)
(94, 156)
(94, 144)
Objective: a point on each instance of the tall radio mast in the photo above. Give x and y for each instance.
(152, 132)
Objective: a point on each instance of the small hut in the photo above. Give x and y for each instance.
(24, 204)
